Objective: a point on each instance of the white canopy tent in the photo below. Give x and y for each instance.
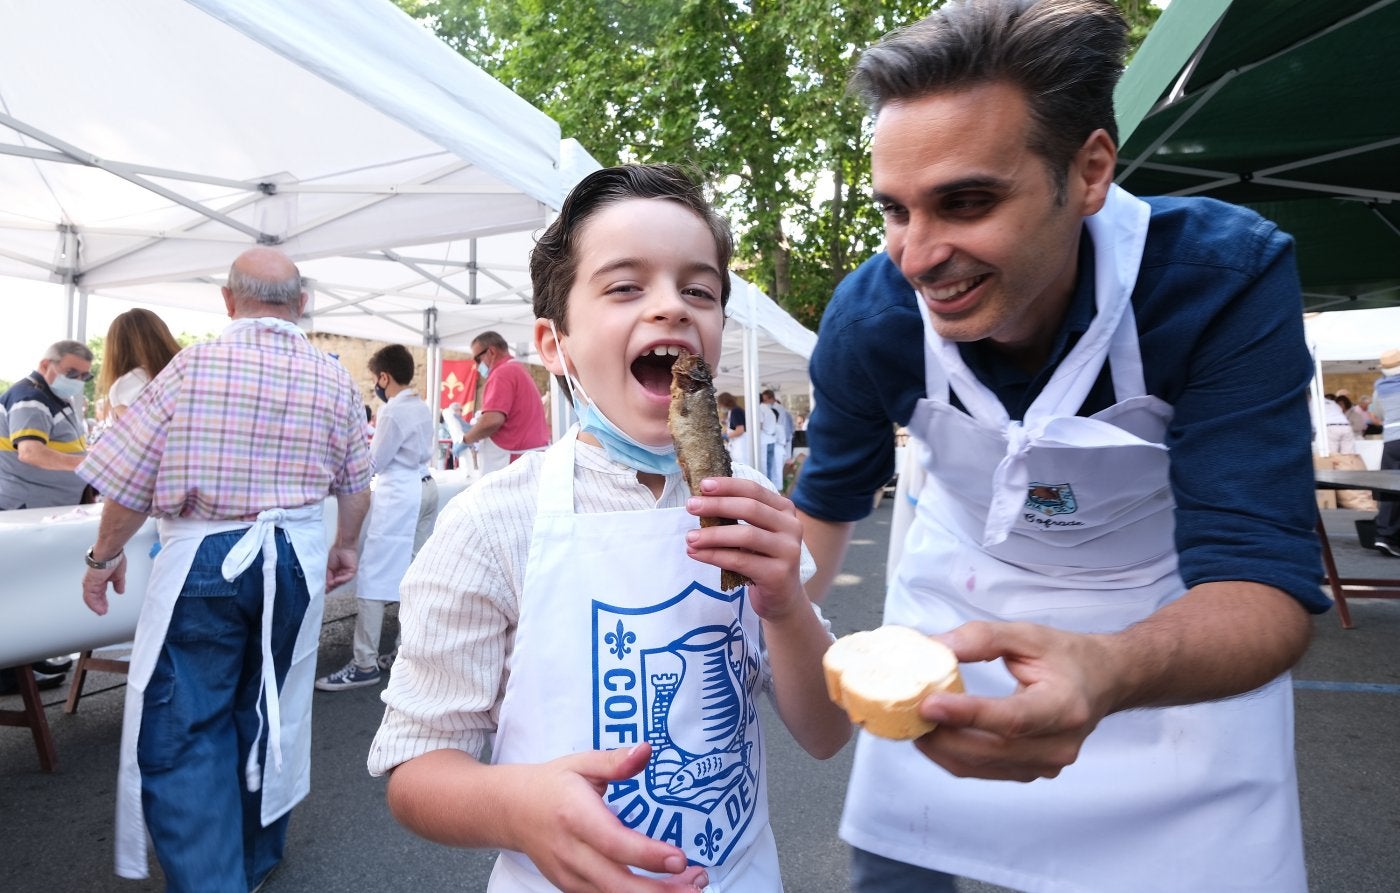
(406, 182)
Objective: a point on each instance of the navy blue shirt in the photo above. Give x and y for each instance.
(1220, 327)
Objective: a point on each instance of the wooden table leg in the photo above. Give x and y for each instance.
(32, 717)
(1333, 578)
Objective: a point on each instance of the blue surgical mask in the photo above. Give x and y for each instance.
(619, 446)
(484, 369)
(67, 388)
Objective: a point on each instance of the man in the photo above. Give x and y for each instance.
(41, 443)
(41, 435)
(510, 417)
(780, 450)
(233, 447)
(1110, 396)
(401, 516)
(1386, 401)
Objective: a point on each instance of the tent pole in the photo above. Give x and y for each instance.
(432, 392)
(751, 377)
(1319, 409)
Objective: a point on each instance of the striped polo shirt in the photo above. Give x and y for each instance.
(30, 411)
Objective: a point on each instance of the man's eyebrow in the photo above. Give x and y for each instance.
(985, 182)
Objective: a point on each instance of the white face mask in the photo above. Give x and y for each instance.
(67, 388)
(618, 444)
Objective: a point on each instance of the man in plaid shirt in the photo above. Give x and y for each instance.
(233, 447)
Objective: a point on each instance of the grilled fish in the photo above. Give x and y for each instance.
(700, 449)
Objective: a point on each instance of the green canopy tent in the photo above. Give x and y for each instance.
(1291, 107)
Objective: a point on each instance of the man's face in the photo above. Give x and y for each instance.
(69, 365)
(971, 217)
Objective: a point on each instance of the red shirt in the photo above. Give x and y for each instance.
(511, 391)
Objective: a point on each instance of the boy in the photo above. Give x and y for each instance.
(556, 608)
(401, 511)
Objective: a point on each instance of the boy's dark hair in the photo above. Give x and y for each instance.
(1064, 55)
(554, 260)
(395, 360)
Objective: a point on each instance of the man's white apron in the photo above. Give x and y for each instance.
(622, 638)
(1068, 522)
(393, 520)
(286, 778)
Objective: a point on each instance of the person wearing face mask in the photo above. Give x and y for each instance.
(42, 437)
(401, 512)
(510, 420)
(571, 603)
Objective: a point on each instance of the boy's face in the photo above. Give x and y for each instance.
(648, 282)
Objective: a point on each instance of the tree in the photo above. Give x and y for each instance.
(750, 93)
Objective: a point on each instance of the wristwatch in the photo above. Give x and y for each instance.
(103, 565)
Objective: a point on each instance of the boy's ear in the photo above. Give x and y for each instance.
(548, 347)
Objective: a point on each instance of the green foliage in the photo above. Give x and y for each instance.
(749, 93)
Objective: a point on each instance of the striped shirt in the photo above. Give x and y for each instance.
(256, 419)
(29, 410)
(461, 601)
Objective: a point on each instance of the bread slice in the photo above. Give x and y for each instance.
(879, 676)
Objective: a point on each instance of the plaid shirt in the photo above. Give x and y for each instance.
(256, 419)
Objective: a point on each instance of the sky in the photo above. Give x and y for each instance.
(34, 317)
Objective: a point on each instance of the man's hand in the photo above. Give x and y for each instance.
(1034, 732)
(341, 565)
(95, 585)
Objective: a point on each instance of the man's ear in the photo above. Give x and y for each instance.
(228, 300)
(1094, 166)
(548, 346)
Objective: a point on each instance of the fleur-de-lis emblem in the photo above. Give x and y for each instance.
(708, 840)
(621, 640)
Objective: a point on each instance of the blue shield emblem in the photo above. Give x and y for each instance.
(1051, 499)
(689, 692)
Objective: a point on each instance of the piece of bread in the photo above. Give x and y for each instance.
(879, 676)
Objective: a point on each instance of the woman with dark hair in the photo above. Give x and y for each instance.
(138, 346)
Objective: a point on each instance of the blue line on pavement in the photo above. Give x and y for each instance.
(1368, 687)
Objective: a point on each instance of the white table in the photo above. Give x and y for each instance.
(41, 557)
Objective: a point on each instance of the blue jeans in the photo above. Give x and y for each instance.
(201, 719)
(876, 874)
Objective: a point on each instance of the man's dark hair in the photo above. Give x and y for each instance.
(395, 360)
(492, 339)
(1064, 55)
(554, 260)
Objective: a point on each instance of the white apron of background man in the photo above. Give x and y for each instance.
(619, 630)
(1079, 536)
(286, 777)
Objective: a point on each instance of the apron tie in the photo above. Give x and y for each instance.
(262, 537)
(1009, 483)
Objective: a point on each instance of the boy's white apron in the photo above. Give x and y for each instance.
(393, 521)
(1068, 521)
(622, 638)
(286, 778)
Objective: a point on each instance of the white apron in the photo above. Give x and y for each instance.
(622, 638)
(393, 520)
(286, 778)
(1079, 535)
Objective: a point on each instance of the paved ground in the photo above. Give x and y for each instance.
(57, 828)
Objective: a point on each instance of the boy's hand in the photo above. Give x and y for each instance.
(578, 844)
(767, 548)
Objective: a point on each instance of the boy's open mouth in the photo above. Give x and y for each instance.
(653, 368)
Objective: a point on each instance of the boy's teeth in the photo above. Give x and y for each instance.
(665, 350)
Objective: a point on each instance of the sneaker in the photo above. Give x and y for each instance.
(1389, 546)
(348, 677)
(386, 661)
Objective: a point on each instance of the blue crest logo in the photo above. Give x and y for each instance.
(692, 698)
(1051, 499)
